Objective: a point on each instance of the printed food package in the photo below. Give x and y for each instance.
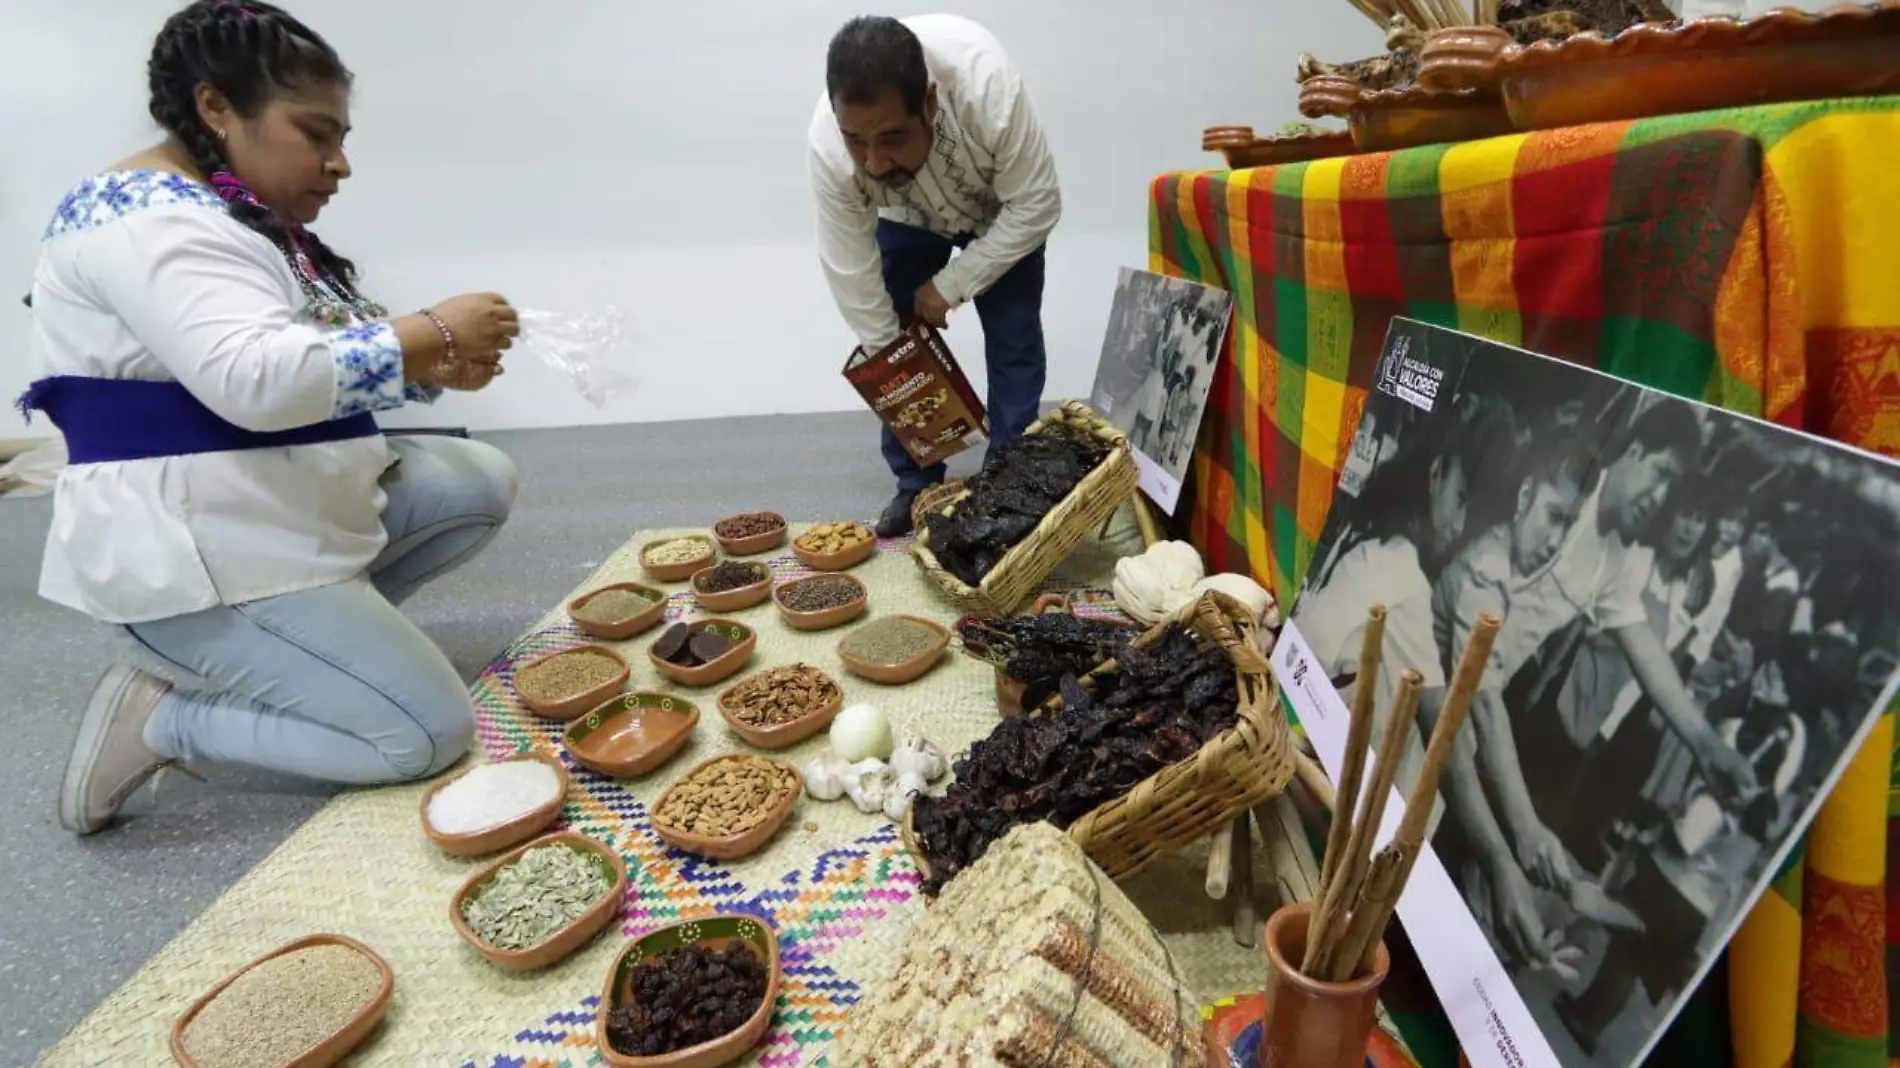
(915, 386)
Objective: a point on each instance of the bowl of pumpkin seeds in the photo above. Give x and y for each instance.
(540, 903)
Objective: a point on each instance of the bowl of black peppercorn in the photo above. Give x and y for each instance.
(694, 994)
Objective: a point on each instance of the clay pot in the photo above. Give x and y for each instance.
(1462, 57)
(1328, 95)
(1309, 1023)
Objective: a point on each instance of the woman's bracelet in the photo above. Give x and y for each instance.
(449, 354)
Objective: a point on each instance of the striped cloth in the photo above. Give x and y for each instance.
(1745, 257)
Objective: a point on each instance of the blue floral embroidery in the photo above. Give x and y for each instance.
(116, 194)
(368, 369)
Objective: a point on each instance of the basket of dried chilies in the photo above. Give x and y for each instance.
(1139, 757)
(998, 536)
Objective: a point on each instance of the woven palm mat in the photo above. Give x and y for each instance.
(837, 884)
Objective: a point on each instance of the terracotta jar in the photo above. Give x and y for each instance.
(1312, 1024)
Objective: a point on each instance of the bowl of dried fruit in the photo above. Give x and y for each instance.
(732, 586)
(675, 559)
(566, 684)
(223, 1027)
(820, 602)
(632, 733)
(654, 1012)
(617, 612)
(728, 807)
(703, 652)
(751, 533)
(781, 706)
(835, 546)
(488, 807)
(894, 650)
(541, 902)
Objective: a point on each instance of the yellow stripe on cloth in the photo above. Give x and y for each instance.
(1474, 191)
(1762, 999)
(1849, 839)
(1256, 367)
(1838, 173)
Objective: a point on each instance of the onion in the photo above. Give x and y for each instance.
(861, 732)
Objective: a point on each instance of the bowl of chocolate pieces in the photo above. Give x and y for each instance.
(703, 652)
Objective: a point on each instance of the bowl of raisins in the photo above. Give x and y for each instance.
(694, 994)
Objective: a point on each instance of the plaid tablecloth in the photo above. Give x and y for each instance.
(1745, 257)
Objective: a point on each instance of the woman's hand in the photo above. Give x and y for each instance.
(483, 325)
(458, 343)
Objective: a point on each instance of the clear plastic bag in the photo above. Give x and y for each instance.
(578, 346)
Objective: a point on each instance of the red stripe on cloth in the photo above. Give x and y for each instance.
(1558, 256)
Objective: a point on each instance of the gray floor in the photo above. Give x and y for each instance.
(79, 917)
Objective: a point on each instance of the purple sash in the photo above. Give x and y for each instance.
(113, 419)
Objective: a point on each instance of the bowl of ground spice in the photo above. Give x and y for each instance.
(632, 733)
(308, 1003)
(730, 586)
(703, 652)
(675, 559)
(728, 807)
(541, 902)
(835, 546)
(781, 706)
(751, 533)
(894, 650)
(489, 807)
(617, 612)
(820, 602)
(693, 994)
(566, 684)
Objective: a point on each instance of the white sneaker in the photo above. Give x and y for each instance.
(110, 759)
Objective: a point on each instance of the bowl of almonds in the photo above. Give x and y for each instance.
(835, 546)
(781, 706)
(728, 807)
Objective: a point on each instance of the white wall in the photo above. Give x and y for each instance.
(651, 155)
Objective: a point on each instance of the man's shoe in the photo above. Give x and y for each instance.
(110, 759)
(895, 520)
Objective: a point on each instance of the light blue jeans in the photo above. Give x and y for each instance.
(334, 683)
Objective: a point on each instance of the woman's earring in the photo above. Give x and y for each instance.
(221, 136)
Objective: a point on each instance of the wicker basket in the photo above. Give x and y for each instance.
(1184, 802)
(1024, 567)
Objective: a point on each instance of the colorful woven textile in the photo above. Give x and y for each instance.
(1745, 257)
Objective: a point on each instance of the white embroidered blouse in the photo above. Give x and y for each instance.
(145, 275)
(989, 175)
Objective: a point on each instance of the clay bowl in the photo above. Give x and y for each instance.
(620, 629)
(732, 846)
(719, 670)
(842, 560)
(1462, 57)
(714, 933)
(824, 618)
(564, 941)
(678, 572)
(783, 734)
(326, 1052)
(905, 670)
(632, 733)
(755, 544)
(576, 704)
(502, 835)
(733, 600)
(1328, 96)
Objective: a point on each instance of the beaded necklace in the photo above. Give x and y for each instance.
(328, 300)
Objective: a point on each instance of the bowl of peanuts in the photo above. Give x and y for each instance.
(781, 706)
(676, 559)
(835, 546)
(729, 807)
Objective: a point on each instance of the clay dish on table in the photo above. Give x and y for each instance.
(824, 618)
(904, 670)
(682, 571)
(842, 560)
(757, 543)
(783, 734)
(714, 933)
(1242, 149)
(632, 733)
(326, 1052)
(1392, 119)
(620, 629)
(733, 600)
(564, 941)
(576, 704)
(744, 641)
(1328, 95)
(731, 846)
(502, 835)
(1462, 57)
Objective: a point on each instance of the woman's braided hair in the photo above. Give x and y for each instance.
(247, 51)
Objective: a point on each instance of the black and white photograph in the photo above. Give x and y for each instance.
(1164, 338)
(1699, 626)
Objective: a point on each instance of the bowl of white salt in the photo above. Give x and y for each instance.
(492, 806)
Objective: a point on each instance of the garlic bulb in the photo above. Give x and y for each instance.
(861, 732)
(824, 776)
(919, 756)
(907, 789)
(869, 783)
(1157, 583)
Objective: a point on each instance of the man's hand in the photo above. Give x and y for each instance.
(1516, 921)
(931, 307)
(1730, 774)
(1543, 858)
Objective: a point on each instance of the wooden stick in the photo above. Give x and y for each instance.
(1383, 882)
(1408, 841)
(1344, 890)
(1311, 777)
(1289, 853)
(1145, 520)
(1220, 861)
(1358, 739)
(1240, 847)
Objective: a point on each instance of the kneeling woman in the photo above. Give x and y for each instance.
(230, 503)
